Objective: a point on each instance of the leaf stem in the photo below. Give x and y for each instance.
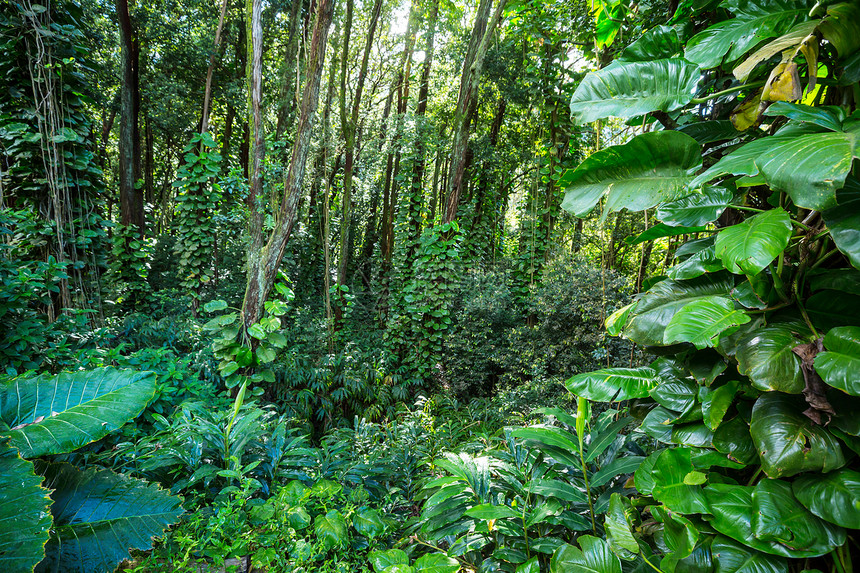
(654, 567)
(730, 90)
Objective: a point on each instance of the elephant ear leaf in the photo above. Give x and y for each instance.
(652, 168)
(595, 556)
(752, 245)
(839, 365)
(614, 384)
(24, 517)
(731, 556)
(57, 414)
(703, 321)
(630, 89)
(834, 497)
(92, 535)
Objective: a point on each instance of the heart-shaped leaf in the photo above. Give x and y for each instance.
(834, 497)
(657, 43)
(703, 321)
(766, 356)
(731, 556)
(750, 246)
(594, 557)
(839, 365)
(697, 209)
(436, 563)
(844, 221)
(368, 522)
(382, 560)
(330, 529)
(668, 473)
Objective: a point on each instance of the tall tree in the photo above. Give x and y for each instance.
(131, 199)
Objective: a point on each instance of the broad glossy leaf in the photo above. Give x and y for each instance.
(642, 478)
(754, 21)
(616, 321)
(24, 515)
(381, 560)
(679, 533)
(703, 321)
(733, 439)
(711, 131)
(844, 221)
(368, 522)
(731, 556)
(658, 424)
(556, 488)
(436, 563)
(488, 511)
(834, 496)
(699, 208)
(780, 518)
(697, 435)
(831, 309)
(750, 246)
(788, 442)
(594, 557)
(830, 117)
(716, 403)
(530, 566)
(675, 394)
(57, 414)
(792, 39)
(651, 168)
(657, 307)
(705, 261)
(618, 467)
(766, 356)
(330, 529)
(618, 523)
(614, 384)
(668, 474)
(100, 515)
(630, 89)
(657, 43)
(841, 28)
(839, 365)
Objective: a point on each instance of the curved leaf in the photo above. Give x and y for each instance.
(614, 384)
(703, 321)
(657, 43)
(733, 439)
(557, 489)
(630, 89)
(436, 563)
(57, 414)
(754, 21)
(787, 441)
(657, 306)
(834, 497)
(330, 529)
(368, 522)
(696, 209)
(750, 246)
(651, 168)
(99, 516)
(382, 560)
(844, 221)
(792, 39)
(668, 475)
(732, 557)
(766, 356)
(594, 557)
(679, 533)
(839, 365)
(658, 424)
(489, 511)
(830, 117)
(778, 517)
(24, 516)
(618, 523)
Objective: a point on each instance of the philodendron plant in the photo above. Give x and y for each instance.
(755, 395)
(54, 516)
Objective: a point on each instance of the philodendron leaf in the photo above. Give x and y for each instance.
(752, 245)
(844, 221)
(699, 208)
(99, 516)
(703, 321)
(668, 474)
(788, 442)
(731, 556)
(839, 365)
(733, 439)
(618, 524)
(614, 384)
(652, 168)
(330, 529)
(630, 89)
(679, 533)
(658, 42)
(56, 414)
(382, 560)
(24, 516)
(656, 307)
(754, 21)
(368, 522)
(780, 518)
(436, 563)
(834, 497)
(766, 356)
(594, 557)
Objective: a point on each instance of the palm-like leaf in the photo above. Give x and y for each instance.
(56, 414)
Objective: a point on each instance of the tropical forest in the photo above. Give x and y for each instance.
(430, 286)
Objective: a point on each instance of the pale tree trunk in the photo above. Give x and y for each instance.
(264, 260)
(479, 44)
(207, 95)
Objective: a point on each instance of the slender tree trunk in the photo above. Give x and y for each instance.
(149, 161)
(263, 262)
(289, 82)
(482, 32)
(207, 95)
(226, 139)
(131, 199)
(256, 150)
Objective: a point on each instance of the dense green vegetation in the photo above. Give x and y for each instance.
(520, 286)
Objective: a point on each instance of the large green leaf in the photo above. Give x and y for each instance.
(766, 356)
(99, 516)
(754, 21)
(844, 221)
(436, 563)
(651, 168)
(831, 309)
(699, 208)
(594, 557)
(24, 516)
(752, 245)
(779, 517)
(382, 560)
(679, 533)
(703, 321)
(841, 28)
(830, 117)
(669, 485)
(330, 529)
(614, 384)
(788, 442)
(839, 365)
(630, 89)
(368, 522)
(57, 414)
(657, 43)
(618, 525)
(733, 439)
(556, 488)
(657, 307)
(834, 497)
(731, 556)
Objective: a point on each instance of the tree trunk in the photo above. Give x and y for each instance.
(479, 44)
(207, 95)
(287, 103)
(263, 262)
(131, 199)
